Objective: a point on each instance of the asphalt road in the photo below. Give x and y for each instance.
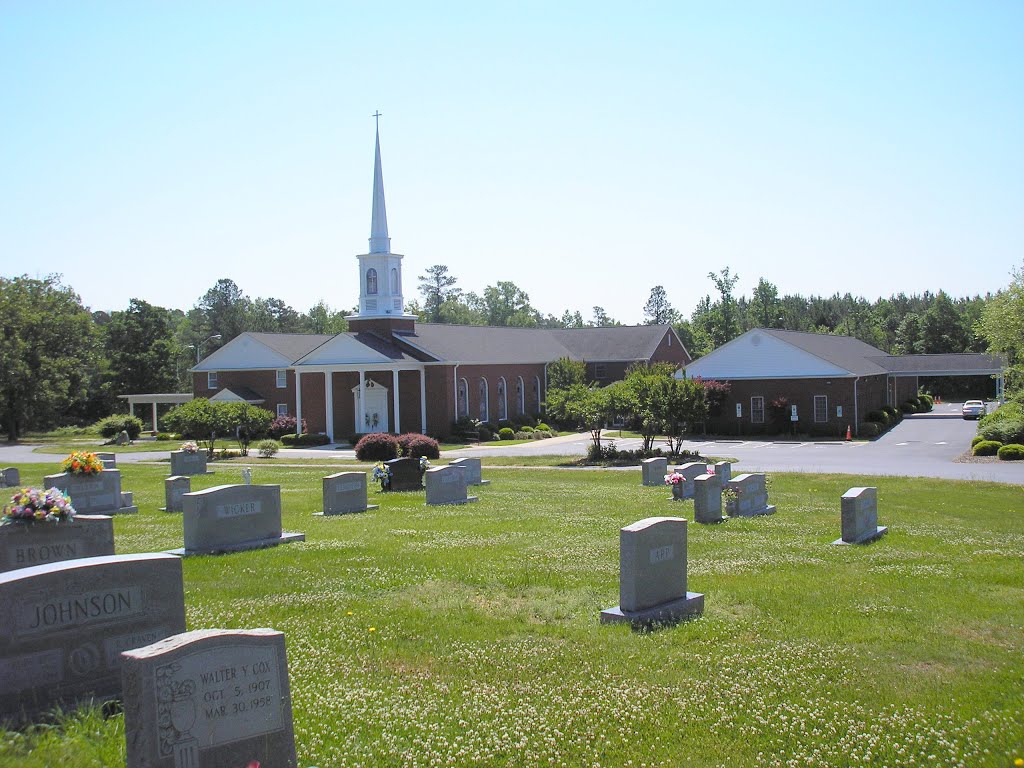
(923, 445)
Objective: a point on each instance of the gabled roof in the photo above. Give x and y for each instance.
(364, 347)
(846, 352)
(237, 394)
(624, 343)
(964, 364)
(253, 351)
(486, 344)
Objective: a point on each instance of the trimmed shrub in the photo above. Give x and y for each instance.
(415, 445)
(880, 417)
(484, 434)
(506, 424)
(297, 441)
(909, 406)
(284, 425)
(1005, 424)
(112, 425)
(869, 429)
(926, 400)
(976, 439)
(267, 448)
(163, 436)
(377, 446)
(506, 433)
(1011, 452)
(987, 448)
(543, 427)
(527, 429)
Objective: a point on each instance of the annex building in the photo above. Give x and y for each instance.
(391, 373)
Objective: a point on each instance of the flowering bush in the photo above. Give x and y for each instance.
(414, 445)
(673, 478)
(382, 474)
(82, 463)
(377, 446)
(190, 447)
(285, 425)
(31, 505)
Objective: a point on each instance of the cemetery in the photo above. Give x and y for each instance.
(472, 633)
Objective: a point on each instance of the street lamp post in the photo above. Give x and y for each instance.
(199, 347)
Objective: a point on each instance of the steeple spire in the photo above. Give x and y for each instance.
(379, 240)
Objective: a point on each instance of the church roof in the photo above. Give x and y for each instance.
(486, 344)
(622, 343)
(846, 352)
(951, 364)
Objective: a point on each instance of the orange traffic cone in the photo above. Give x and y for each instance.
(848, 435)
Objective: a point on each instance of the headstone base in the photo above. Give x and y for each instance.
(242, 546)
(130, 510)
(878, 533)
(368, 508)
(666, 613)
(466, 500)
(769, 510)
(712, 520)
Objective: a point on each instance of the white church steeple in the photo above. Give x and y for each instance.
(380, 270)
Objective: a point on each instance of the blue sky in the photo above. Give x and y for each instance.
(585, 151)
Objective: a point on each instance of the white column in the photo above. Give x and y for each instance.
(423, 399)
(298, 403)
(361, 416)
(131, 408)
(329, 404)
(394, 398)
(154, 417)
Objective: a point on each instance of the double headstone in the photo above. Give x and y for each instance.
(447, 485)
(652, 574)
(707, 499)
(63, 627)
(109, 460)
(10, 477)
(860, 516)
(232, 518)
(95, 494)
(189, 463)
(689, 472)
(405, 475)
(209, 698)
(23, 546)
(654, 470)
(345, 492)
(751, 492)
(472, 469)
(175, 488)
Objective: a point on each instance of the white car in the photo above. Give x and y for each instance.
(973, 409)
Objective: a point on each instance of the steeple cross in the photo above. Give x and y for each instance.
(376, 115)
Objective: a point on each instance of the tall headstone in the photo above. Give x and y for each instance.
(751, 496)
(472, 469)
(23, 546)
(447, 485)
(185, 463)
(860, 516)
(345, 492)
(232, 518)
(63, 627)
(654, 470)
(689, 472)
(11, 477)
(707, 499)
(652, 574)
(723, 470)
(175, 488)
(109, 459)
(405, 475)
(209, 698)
(98, 494)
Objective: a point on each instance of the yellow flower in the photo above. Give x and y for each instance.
(348, 613)
(1019, 762)
(373, 629)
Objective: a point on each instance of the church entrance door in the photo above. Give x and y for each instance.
(375, 404)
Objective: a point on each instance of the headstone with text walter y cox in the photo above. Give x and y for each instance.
(652, 574)
(63, 627)
(210, 698)
(344, 493)
(473, 469)
(859, 510)
(447, 485)
(232, 518)
(94, 494)
(653, 471)
(22, 546)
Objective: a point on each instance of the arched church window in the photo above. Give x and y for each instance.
(536, 394)
(520, 396)
(502, 401)
(371, 280)
(463, 398)
(484, 409)
(394, 280)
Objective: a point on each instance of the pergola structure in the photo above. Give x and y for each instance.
(153, 400)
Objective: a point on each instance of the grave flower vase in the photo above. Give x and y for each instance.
(677, 492)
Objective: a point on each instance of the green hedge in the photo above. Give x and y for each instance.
(120, 422)
(1005, 424)
(1011, 452)
(987, 448)
(310, 438)
(869, 429)
(976, 439)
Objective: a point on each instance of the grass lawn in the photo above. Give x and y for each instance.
(469, 635)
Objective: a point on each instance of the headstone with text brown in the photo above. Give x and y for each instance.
(22, 546)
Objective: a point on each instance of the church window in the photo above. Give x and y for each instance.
(502, 400)
(484, 409)
(463, 399)
(371, 280)
(520, 396)
(394, 280)
(536, 394)
(211, 380)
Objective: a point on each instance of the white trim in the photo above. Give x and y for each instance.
(329, 404)
(211, 380)
(281, 378)
(285, 411)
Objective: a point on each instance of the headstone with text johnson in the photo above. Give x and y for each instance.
(473, 470)
(175, 488)
(707, 499)
(189, 463)
(859, 509)
(652, 574)
(64, 625)
(232, 518)
(94, 494)
(689, 472)
(210, 698)
(22, 546)
(653, 471)
(344, 493)
(751, 496)
(10, 477)
(405, 475)
(447, 485)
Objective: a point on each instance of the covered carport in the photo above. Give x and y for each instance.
(961, 364)
(153, 400)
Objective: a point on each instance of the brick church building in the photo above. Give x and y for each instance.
(390, 373)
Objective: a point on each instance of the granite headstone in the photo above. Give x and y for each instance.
(232, 518)
(405, 475)
(447, 485)
(345, 492)
(653, 471)
(751, 496)
(22, 546)
(175, 488)
(859, 508)
(473, 470)
(707, 499)
(186, 463)
(96, 494)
